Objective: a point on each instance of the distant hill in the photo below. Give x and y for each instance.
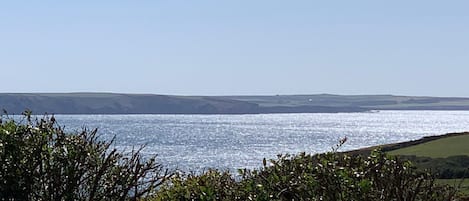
(111, 103)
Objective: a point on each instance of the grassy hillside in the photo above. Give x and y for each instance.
(441, 148)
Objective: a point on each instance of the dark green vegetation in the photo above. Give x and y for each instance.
(329, 176)
(109, 103)
(38, 161)
(461, 184)
(452, 167)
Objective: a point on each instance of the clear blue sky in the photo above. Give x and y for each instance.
(418, 47)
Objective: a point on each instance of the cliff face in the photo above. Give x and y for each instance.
(109, 103)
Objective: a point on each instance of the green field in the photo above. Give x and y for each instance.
(441, 148)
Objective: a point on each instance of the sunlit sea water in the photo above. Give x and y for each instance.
(197, 142)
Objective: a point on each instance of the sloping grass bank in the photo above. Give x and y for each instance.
(438, 148)
(401, 145)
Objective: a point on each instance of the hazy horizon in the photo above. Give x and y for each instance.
(417, 48)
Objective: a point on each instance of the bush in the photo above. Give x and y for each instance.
(334, 176)
(210, 185)
(39, 161)
(330, 176)
(452, 167)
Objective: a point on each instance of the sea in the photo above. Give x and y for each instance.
(229, 142)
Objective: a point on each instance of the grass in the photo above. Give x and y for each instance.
(441, 148)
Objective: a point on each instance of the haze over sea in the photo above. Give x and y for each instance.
(197, 142)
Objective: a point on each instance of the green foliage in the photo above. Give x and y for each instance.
(334, 176)
(461, 184)
(39, 161)
(452, 167)
(211, 185)
(330, 176)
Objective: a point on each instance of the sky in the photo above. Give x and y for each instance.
(242, 47)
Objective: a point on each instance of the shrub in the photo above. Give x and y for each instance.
(330, 176)
(334, 176)
(452, 167)
(39, 161)
(210, 185)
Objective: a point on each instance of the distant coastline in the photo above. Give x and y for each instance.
(114, 103)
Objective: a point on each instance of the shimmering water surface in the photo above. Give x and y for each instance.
(195, 142)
